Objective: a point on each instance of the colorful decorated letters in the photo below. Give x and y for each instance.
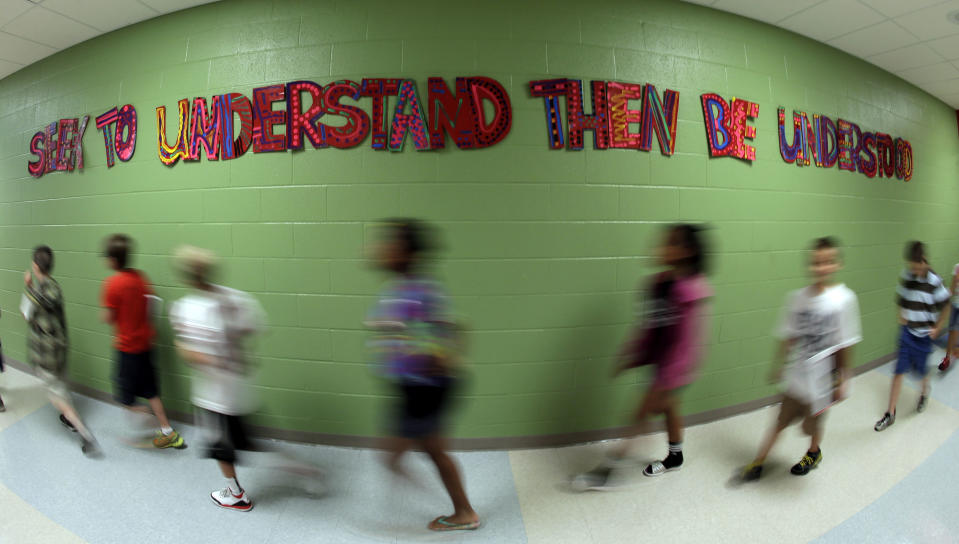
(825, 144)
(726, 128)
(611, 117)
(474, 113)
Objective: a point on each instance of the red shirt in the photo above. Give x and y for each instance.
(125, 293)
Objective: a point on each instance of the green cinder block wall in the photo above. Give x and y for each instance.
(544, 248)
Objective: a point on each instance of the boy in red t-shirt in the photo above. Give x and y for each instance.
(127, 309)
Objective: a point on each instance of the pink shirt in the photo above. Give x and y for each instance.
(677, 321)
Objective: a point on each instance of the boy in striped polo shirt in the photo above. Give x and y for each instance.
(923, 308)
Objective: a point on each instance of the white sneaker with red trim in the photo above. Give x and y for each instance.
(226, 499)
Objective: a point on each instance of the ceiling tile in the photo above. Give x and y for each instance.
(931, 22)
(874, 39)
(167, 6)
(17, 49)
(105, 15)
(7, 68)
(948, 47)
(931, 73)
(11, 9)
(895, 8)
(769, 11)
(951, 99)
(911, 56)
(48, 27)
(831, 19)
(947, 86)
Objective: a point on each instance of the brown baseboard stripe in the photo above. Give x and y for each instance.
(470, 444)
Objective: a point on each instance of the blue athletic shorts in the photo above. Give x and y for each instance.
(913, 352)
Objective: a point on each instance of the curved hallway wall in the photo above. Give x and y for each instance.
(545, 248)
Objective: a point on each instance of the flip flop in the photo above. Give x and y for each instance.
(450, 526)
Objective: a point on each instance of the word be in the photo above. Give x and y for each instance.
(823, 142)
(211, 129)
(726, 128)
(59, 147)
(611, 117)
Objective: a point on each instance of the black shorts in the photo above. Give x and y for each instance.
(135, 377)
(423, 408)
(226, 435)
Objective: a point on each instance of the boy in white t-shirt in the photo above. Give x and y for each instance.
(211, 325)
(951, 350)
(818, 327)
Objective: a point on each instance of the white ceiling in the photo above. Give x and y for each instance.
(914, 39)
(33, 29)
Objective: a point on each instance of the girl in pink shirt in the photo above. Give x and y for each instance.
(670, 339)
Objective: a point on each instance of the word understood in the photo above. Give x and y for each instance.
(825, 143)
(210, 129)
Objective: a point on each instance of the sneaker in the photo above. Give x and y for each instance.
(807, 463)
(885, 422)
(66, 423)
(90, 448)
(752, 472)
(225, 498)
(172, 440)
(923, 401)
(945, 364)
(598, 479)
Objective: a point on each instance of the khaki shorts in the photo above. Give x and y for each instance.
(56, 386)
(793, 409)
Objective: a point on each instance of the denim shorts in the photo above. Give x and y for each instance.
(913, 353)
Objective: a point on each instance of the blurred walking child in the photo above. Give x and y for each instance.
(923, 309)
(211, 325)
(127, 308)
(48, 342)
(417, 343)
(669, 339)
(818, 327)
(952, 350)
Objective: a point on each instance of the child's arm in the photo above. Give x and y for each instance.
(779, 360)
(841, 359)
(195, 358)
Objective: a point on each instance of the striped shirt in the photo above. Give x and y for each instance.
(920, 301)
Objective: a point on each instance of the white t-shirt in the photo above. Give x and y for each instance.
(955, 296)
(820, 325)
(216, 323)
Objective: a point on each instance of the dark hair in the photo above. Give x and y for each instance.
(118, 248)
(690, 237)
(43, 258)
(915, 252)
(826, 242)
(416, 237)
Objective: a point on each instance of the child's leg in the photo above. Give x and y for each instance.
(788, 411)
(651, 403)
(435, 447)
(894, 393)
(157, 406)
(674, 420)
(65, 407)
(925, 385)
(951, 344)
(396, 447)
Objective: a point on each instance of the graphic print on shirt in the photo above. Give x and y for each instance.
(816, 332)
